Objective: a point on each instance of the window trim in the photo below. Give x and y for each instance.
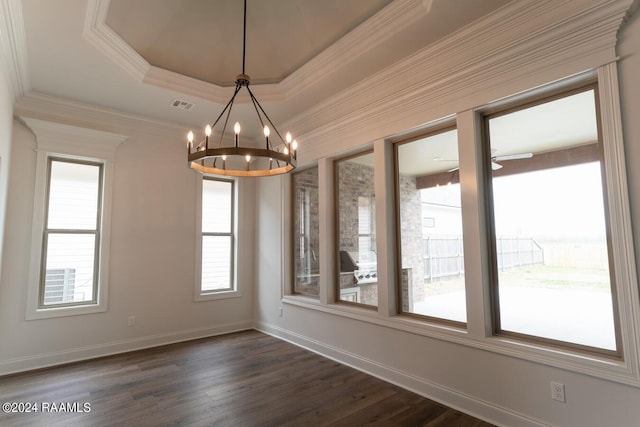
(70, 142)
(216, 294)
(622, 253)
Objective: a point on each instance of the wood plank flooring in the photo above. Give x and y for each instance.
(242, 379)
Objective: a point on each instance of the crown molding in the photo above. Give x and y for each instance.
(73, 140)
(220, 94)
(370, 34)
(13, 47)
(526, 44)
(109, 43)
(65, 111)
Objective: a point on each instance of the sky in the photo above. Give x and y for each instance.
(559, 203)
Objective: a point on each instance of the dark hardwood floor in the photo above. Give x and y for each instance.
(241, 379)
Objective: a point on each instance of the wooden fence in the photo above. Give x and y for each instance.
(443, 256)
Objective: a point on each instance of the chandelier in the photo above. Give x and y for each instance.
(277, 155)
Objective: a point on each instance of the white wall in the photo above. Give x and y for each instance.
(151, 269)
(504, 389)
(6, 118)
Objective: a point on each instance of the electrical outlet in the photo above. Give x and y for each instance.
(557, 392)
(131, 321)
(280, 311)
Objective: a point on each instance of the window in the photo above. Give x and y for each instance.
(306, 232)
(217, 240)
(546, 270)
(358, 279)
(70, 243)
(70, 238)
(430, 227)
(551, 255)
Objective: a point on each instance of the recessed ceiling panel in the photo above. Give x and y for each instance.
(202, 39)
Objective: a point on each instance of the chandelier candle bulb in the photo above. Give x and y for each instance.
(288, 138)
(189, 142)
(236, 130)
(207, 132)
(266, 135)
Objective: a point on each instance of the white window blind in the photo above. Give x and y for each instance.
(217, 235)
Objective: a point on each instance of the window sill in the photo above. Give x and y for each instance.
(405, 323)
(49, 313)
(217, 295)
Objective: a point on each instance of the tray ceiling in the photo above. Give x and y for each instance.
(203, 39)
(139, 56)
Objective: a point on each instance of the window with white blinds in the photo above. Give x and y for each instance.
(71, 236)
(217, 235)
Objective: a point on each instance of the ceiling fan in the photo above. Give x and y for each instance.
(494, 160)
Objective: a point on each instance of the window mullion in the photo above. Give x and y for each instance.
(384, 227)
(474, 225)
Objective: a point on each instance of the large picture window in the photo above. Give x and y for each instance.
(551, 257)
(71, 238)
(430, 227)
(306, 233)
(355, 201)
(217, 236)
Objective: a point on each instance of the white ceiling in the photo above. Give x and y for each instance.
(561, 123)
(324, 45)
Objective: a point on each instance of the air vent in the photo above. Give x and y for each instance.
(182, 105)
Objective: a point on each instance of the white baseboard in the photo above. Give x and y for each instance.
(45, 360)
(454, 399)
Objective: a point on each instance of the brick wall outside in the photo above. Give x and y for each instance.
(411, 242)
(354, 180)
